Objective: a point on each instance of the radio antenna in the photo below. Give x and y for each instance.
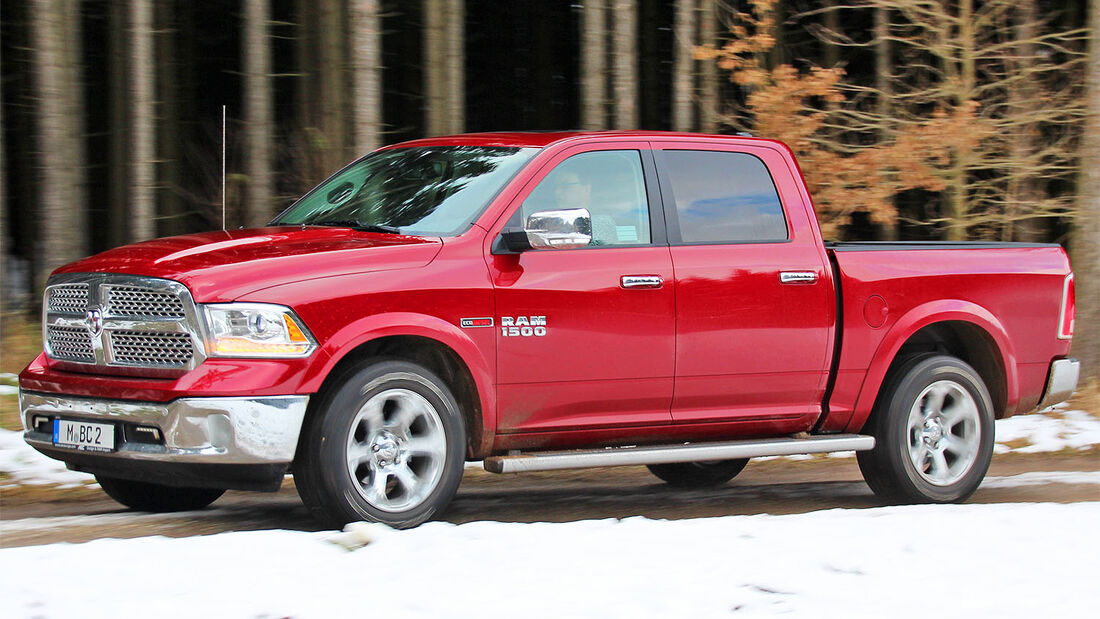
(223, 167)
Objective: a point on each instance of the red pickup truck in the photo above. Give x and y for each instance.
(540, 301)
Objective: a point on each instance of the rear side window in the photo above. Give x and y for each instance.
(724, 197)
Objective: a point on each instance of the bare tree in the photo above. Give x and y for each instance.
(258, 112)
(61, 207)
(435, 67)
(708, 71)
(625, 73)
(332, 71)
(455, 32)
(683, 42)
(366, 25)
(143, 136)
(594, 65)
(1085, 243)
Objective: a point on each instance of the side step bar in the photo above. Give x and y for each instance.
(687, 452)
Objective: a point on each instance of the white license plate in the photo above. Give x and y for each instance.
(84, 435)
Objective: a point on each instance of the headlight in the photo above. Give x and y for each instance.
(255, 330)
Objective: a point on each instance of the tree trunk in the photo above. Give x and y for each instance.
(435, 67)
(708, 72)
(455, 32)
(331, 70)
(62, 215)
(118, 155)
(1023, 195)
(1085, 244)
(143, 136)
(884, 67)
(832, 27)
(366, 74)
(958, 197)
(172, 209)
(683, 40)
(594, 65)
(625, 77)
(258, 113)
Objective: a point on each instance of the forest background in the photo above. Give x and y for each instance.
(912, 119)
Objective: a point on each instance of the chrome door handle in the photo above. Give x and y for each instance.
(641, 281)
(797, 277)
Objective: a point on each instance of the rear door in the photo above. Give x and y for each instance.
(580, 343)
(754, 303)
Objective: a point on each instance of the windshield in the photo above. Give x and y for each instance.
(426, 191)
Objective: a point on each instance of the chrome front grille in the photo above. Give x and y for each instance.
(151, 349)
(135, 302)
(134, 324)
(68, 298)
(70, 344)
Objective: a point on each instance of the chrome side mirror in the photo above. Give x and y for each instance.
(560, 229)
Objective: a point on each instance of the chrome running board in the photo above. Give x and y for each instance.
(686, 452)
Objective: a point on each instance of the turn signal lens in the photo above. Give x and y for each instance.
(255, 330)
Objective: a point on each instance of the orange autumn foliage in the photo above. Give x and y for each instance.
(859, 173)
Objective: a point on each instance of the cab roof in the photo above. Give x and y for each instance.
(541, 139)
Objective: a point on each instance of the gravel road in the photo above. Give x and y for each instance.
(30, 516)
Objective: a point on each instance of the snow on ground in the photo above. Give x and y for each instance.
(1054, 429)
(1008, 560)
(9, 384)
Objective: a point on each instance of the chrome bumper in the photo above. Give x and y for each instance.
(1062, 382)
(235, 430)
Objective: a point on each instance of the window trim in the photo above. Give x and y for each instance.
(672, 213)
(658, 229)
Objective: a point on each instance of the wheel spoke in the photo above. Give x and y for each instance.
(405, 415)
(938, 469)
(959, 447)
(377, 489)
(408, 479)
(357, 453)
(429, 445)
(371, 414)
(933, 402)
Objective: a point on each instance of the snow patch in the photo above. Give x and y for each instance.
(25, 466)
(809, 565)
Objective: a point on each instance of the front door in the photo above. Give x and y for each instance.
(580, 344)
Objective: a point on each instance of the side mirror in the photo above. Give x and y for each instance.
(563, 229)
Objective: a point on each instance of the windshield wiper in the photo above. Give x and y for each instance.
(355, 225)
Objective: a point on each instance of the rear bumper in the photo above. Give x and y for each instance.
(225, 442)
(1061, 382)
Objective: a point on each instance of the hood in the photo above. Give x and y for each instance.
(222, 266)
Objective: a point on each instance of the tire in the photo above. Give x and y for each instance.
(698, 474)
(145, 497)
(386, 444)
(933, 428)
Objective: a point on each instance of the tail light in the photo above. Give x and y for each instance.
(1069, 310)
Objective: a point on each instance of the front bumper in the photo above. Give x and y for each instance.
(1064, 374)
(230, 442)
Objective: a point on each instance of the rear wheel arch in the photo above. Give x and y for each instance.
(962, 330)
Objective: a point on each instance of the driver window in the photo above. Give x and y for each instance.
(610, 184)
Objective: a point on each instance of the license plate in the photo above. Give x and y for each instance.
(84, 435)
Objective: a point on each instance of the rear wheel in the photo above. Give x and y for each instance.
(147, 497)
(386, 445)
(698, 474)
(933, 431)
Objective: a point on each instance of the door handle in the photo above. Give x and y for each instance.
(641, 281)
(797, 277)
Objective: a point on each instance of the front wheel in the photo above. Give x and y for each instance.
(386, 444)
(146, 497)
(933, 431)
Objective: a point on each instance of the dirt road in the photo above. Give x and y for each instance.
(30, 516)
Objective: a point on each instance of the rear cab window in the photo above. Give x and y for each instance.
(721, 197)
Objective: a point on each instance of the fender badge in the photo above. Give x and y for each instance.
(468, 323)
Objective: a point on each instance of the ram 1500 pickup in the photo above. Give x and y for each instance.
(539, 301)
